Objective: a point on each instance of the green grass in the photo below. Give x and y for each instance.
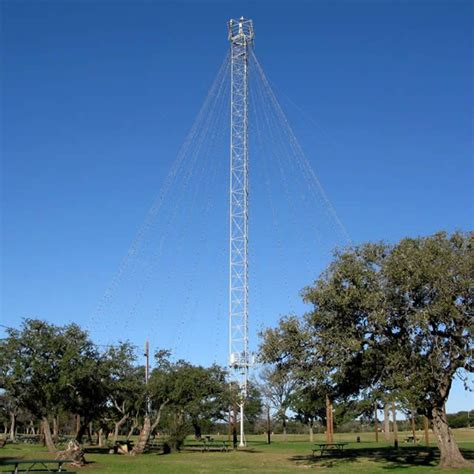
(292, 454)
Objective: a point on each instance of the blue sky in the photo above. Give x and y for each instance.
(97, 98)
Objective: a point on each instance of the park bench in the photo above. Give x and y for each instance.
(35, 465)
(329, 448)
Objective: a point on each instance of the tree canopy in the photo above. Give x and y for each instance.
(388, 318)
(48, 369)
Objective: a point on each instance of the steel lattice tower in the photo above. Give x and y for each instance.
(241, 37)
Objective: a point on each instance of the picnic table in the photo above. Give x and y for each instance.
(411, 439)
(199, 445)
(156, 443)
(33, 465)
(208, 444)
(329, 447)
(215, 445)
(28, 438)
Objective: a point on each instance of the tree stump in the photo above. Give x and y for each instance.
(74, 453)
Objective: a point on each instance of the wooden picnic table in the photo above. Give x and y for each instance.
(215, 445)
(327, 447)
(207, 445)
(32, 465)
(28, 438)
(156, 443)
(200, 445)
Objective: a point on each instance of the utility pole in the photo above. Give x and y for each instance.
(240, 34)
(147, 375)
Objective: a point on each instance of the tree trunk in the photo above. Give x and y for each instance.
(41, 433)
(328, 421)
(12, 426)
(234, 424)
(81, 432)
(376, 424)
(386, 422)
(450, 456)
(269, 426)
(426, 428)
(331, 412)
(234, 436)
(100, 440)
(177, 433)
(118, 424)
(47, 435)
(89, 432)
(284, 427)
(197, 430)
(413, 427)
(32, 428)
(143, 439)
(132, 429)
(311, 431)
(78, 425)
(55, 428)
(158, 416)
(395, 426)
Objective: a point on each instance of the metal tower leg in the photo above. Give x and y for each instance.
(241, 37)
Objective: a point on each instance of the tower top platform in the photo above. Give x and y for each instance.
(241, 29)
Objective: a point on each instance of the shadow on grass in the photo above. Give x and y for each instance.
(96, 450)
(392, 458)
(229, 450)
(159, 452)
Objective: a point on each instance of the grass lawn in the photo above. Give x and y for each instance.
(292, 454)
